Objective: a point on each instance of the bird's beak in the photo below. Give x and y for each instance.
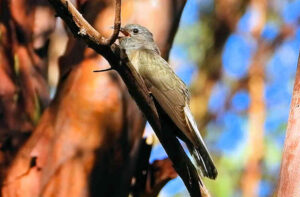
(124, 32)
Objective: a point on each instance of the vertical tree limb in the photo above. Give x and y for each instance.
(257, 109)
(289, 182)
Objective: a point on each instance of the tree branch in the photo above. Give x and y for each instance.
(164, 128)
(117, 24)
(81, 28)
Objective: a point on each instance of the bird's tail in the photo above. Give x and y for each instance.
(205, 163)
(198, 149)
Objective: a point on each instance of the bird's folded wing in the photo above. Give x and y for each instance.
(167, 88)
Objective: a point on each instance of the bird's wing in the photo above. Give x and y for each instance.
(173, 96)
(167, 88)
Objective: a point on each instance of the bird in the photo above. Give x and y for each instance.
(168, 89)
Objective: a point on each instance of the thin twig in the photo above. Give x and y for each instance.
(117, 24)
(104, 70)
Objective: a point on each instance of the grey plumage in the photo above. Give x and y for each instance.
(168, 89)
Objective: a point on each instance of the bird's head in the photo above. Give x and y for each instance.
(136, 37)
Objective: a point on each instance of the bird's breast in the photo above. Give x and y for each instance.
(133, 57)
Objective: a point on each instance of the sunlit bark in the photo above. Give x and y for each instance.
(289, 183)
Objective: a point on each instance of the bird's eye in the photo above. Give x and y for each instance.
(135, 30)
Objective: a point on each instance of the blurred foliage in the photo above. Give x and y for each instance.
(199, 42)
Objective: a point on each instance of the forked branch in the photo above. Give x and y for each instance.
(117, 24)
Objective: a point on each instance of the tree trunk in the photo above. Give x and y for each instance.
(289, 182)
